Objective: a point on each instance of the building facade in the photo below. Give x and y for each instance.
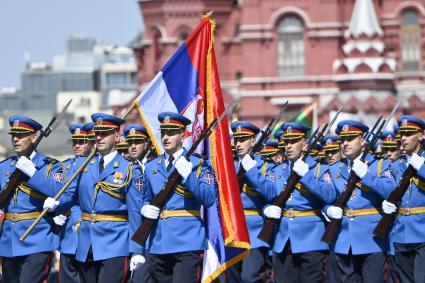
(363, 55)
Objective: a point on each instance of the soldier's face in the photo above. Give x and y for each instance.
(391, 154)
(172, 140)
(333, 156)
(244, 145)
(136, 148)
(294, 148)
(411, 141)
(22, 142)
(88, 146)
(105, 141)
(78, 147)
(351, 146)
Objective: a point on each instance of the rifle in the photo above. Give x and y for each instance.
(142, 233)
(387, 220)
(13, 181)
(332, 228)
(267, 231)
(259, 144)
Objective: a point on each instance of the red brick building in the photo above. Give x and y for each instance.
(362, 54)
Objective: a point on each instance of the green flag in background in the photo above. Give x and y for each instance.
(305, 117)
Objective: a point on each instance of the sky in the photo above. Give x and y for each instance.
(40, 27)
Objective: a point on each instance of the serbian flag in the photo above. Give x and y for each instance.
(189, 84)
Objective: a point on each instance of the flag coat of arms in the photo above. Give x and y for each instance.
(189, 84)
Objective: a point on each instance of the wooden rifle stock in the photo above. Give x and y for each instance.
(387, 220)
(333, 227)
(266, 232)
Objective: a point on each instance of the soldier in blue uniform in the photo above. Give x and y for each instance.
(408, 233)
(70, 220)
(29, 260)
(109, 200)
(331, 149)
(298, 252)
(256, 192)
(390, 146)
(122, 145)
(136, 137)
(271, 152)
(358, 255)
(177, 240)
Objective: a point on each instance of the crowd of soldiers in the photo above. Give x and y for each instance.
(92, 223)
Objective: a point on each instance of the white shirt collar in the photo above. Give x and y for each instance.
(108, 158)
(33, 154)
(176, 155)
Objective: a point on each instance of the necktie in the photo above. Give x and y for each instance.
(170, 162)
(101, 165)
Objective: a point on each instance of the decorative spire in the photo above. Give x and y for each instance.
(363, 20)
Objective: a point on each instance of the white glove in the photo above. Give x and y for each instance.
(360, 168)
(334, 212)
(135, 260)
(300, 167)
(415, 161)
(248, 163)
(26, 166)
(184, 167)
(273, 211)
(76, 226)
(150, 211)
(59, 220)
(51, 204)
(388, 207)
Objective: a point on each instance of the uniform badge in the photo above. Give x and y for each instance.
(239, 128)
(167, 119)
(272, 177)
(86, 170)
(338, 176)
(327, 177)
(139, 184)
(345, 128)
(132, 131)
(388, 174)
(58, 177)
(99, 121)
(115, 164)
(77, 131)
(93, 161)
(279, 176)
(68, 166)
(289, 130)
(16, 123)
(404, 122)
(118, 177)
(154, 171)
(208, 178)
(12, 164)
(284, 166)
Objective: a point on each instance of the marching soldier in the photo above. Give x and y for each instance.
(298, 252)
(331, 149)
(177, 240)
(109, 199)
(358, 255)
(29, 260)
(390, 146)
(408, 233)
(68, 268)
(271, 152)
(136, 137)
(256, 192)
(122, 146)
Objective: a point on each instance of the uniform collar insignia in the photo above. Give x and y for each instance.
(93, 161)
(7, 173)
(12, 163)
(155, 171)
(115, 164)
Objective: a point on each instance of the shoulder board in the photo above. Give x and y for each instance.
(51, 160)
(4, 160)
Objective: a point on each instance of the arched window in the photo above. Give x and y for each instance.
(290, 46)
(410, 41)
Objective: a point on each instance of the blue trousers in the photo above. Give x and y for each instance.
(251, 269)
(31, 268)
(410, 261)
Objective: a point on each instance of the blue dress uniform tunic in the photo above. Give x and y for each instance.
(309, 196)
(409, 226)
(255, 194)
(174, 233)
(29, 197)
(69, 238)
(357, 230)
(112, 195)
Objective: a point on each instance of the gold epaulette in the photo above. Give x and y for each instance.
(180, 190)
(250, 191)
(111, 189)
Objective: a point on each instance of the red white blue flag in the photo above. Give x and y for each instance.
(189, 84)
